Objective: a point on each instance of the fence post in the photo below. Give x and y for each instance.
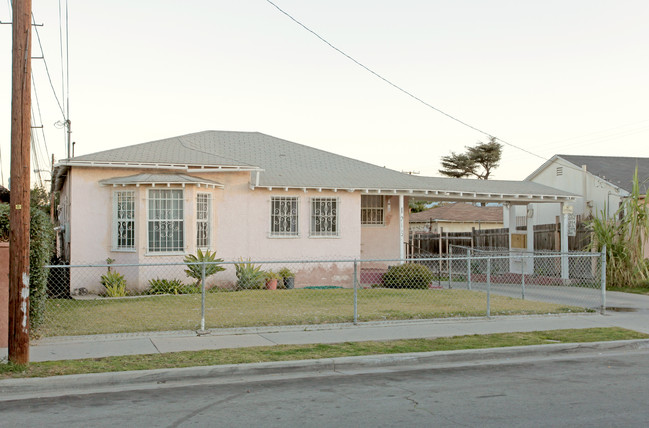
(488, 287)
(523, 262)
(355, 292)
(449, 258)
(603, 280)
(202, 330)
(468, 268)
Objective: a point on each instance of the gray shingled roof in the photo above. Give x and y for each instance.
(200, 149)
(287, 164)
(614, 169)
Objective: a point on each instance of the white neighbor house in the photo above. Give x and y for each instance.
(601, 183)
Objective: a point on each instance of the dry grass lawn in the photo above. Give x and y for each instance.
(278, 307)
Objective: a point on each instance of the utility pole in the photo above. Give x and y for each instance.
(20, 183)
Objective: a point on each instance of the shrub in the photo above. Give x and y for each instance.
(4, 222)
(408, 275)
(41, 248)
(286, 273)
(249, 276)
(114, 283)
(195, 264)
(170, 286)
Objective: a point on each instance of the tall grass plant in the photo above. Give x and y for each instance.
(625, 236)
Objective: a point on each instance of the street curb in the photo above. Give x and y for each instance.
(16, 389)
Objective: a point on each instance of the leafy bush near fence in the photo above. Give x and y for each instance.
(624, 238)
(170, 286)
(4, 222)
(408, 275)
(41, 248)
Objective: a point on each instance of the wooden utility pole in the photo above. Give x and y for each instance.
(20, 183)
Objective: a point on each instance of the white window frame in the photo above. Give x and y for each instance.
(167, 214)
(284, 217)
(203, 220)
(123, 220)
(372, 212)
(324, 221)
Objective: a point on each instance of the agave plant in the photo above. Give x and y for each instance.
(249, 275)
(196, 262)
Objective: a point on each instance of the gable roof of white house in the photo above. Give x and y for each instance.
(275, 163)
(616, 170)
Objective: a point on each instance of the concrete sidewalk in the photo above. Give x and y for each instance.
(631, 312)
(65, 348)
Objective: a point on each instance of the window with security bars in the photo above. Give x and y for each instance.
(284, 216)
(166, 227)
(372, 209)
(124, 220)
(203, 220)
(324, 217)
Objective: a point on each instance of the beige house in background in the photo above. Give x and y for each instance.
(245, 195)
(457, 217)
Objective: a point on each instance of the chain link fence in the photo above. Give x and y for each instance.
(120, 298)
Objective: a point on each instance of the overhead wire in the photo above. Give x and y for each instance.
(2, 174)
(35, 140)
(411, 95)
(394, 85)
(38, 148)
(65, 71)
(47, 70)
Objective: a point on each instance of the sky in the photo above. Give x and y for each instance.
(550, 77)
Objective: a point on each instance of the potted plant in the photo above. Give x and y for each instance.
(288, 278)
(271, 280)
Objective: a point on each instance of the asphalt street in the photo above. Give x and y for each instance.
(600, 389)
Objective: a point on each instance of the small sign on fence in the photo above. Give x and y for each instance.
(572, 225)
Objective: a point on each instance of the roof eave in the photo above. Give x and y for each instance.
(157, 165)
(538, 170)
(433, 194)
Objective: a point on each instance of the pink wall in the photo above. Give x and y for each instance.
(240, 225)
(4, 294)
(382, 242)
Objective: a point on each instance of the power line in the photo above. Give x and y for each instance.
(37, 148)
(65, 72)
(47, 70)
(411, 95)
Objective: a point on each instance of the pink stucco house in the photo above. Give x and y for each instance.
(246, 195)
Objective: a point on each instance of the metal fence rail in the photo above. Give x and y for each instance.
(115, 298)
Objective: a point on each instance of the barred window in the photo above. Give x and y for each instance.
(372, 209)
(324, 217)
(166, 221)
(124, 220)
(203, 220)
(284, 216)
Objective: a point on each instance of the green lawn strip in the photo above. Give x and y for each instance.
(634, 290)
(305, 352)
(279, 307)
